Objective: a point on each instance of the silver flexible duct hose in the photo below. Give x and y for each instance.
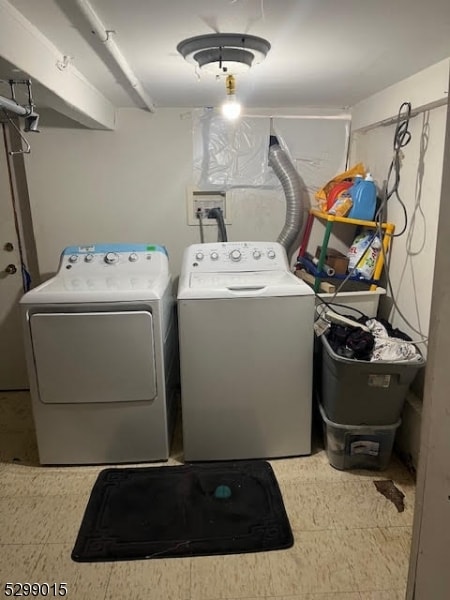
(293, 191)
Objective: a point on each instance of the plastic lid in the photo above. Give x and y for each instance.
(369, 177)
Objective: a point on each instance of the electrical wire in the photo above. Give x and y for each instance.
(217, 214)
(200, 222)
(424, 338)
(333, 304)
(329, 319)
(402, 137)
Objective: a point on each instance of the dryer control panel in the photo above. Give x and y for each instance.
(235, 257)
(112, 268)
(106, 273)
(118, 258)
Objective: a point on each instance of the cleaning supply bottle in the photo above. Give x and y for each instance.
(363, 254)
(364, 197)
(335, 191)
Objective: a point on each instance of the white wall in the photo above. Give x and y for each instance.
(130, 185)
(373, 123)
(119, 186)
(412, 256)
(426, 89)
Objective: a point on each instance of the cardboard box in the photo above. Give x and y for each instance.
(335, 259)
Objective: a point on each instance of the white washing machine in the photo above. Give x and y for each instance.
(102, 356)
(246, 350)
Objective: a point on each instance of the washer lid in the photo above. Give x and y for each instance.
(242, 284)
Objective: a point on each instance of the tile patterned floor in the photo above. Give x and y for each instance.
(350, 541)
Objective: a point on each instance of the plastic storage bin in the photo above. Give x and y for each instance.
(358, 446)
(366, 302)
(358, 392)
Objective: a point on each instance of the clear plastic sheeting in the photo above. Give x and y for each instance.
(230, 154)
(235, 154)
(318, 147)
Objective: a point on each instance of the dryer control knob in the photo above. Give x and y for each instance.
(133, 257)
(235, 255)
(199, 256)
(89, 258)
(214, 255)
(73, 258)
(271, 254)
(256, 254)
(111, 258)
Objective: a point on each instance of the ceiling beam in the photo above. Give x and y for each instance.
(67, 90)
(116, 61)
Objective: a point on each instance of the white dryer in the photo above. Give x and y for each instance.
(102, 356)
(246, 349)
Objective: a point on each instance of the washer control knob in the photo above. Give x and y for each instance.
(199, 256)
(214, 255)
(73, 258)
(111, 258)
(89, 258)
(256, 254)
(235, 255)
(271, 254)
(133, 257)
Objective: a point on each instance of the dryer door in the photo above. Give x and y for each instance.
(94, 356)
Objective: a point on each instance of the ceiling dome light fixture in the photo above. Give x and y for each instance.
(231, 109)
(224, 53)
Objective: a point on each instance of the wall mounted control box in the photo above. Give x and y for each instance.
(201, 202)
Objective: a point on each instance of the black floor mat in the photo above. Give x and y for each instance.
(190, 510)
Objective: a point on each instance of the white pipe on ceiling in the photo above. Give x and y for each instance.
(114, 51)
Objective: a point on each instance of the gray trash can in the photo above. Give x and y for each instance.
(358, 392)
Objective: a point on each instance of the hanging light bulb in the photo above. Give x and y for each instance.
(231, 109)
